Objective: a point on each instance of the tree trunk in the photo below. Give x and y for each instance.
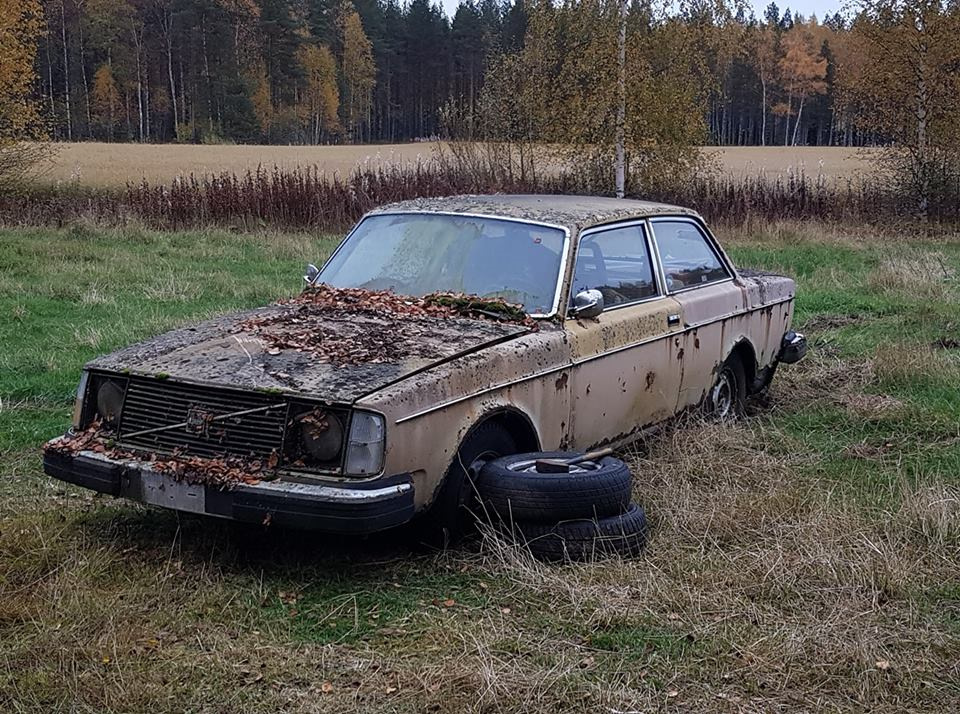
(921, 160)
(168, 31)
(53, 106)
(137, 47)
(796, 126)
(66, 68)
(763, 111)
(206, 72)
(83, 73)
(621, 102)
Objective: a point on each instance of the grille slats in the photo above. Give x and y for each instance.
(150, 404)
(251, 422)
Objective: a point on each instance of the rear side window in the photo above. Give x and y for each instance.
(617, 263)
(687, 257)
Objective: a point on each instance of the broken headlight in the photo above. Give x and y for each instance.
(321, 436)
(365, 444)
(319, 439)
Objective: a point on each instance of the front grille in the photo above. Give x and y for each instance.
(152, 403)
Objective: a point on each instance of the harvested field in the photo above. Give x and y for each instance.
(802, 559)
(97, 165)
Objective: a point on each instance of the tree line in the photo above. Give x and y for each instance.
(320, 71)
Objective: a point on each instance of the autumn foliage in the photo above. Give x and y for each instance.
(20, 27)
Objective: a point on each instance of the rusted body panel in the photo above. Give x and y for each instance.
(429, 414)
(574, 383)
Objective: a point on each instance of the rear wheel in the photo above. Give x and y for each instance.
(729, 393)
(453, 510)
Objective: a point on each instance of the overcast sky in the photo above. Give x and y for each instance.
(804, 7)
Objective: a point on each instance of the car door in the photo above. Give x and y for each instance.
(626, 371)
(698, 276)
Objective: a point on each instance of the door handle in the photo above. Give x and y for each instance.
(673, 320)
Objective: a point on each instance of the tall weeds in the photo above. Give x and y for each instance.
(307, 198)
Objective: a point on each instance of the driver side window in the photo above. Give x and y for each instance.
(617, 263)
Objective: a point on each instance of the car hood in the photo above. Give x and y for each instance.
(232, 351)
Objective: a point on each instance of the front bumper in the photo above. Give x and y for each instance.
(353, 508)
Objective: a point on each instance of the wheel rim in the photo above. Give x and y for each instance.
(723, 393)
(530, 466)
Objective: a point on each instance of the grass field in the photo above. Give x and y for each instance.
(95, 165)
(805, 558)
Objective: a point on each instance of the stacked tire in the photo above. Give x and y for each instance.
(576, 516)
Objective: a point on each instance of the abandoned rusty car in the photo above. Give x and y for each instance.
(440, 332)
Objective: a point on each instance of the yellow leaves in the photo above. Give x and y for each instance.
(357, 64)
(320, 72)
(105, 96)
(20, 29)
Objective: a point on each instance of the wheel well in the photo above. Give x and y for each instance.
(743, 350)
(518, 425)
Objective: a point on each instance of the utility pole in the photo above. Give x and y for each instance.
(621, 97)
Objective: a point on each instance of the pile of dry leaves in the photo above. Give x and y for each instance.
(345, 326)
(326, 298)
(222, 472)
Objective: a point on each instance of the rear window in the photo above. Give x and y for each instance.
(687, 257)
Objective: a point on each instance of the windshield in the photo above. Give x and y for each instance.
(421, 253)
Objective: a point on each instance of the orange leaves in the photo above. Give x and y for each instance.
(226, 471)
(802, 66)
(320, 323)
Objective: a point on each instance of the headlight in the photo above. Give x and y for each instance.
(109, 401)
(365, 444)
(321, 435)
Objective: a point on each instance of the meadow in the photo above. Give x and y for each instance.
(803, 558)
(99, 165)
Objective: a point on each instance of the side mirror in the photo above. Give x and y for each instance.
(312, 272)
(587, 303)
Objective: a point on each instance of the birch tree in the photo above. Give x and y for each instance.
(911, 95)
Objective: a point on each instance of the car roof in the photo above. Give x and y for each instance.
(573, 212)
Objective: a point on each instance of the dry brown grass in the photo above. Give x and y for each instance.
(101, 165)
(902, 362)
(925, 274)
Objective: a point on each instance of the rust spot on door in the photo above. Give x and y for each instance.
(650, 379)
(561, 381)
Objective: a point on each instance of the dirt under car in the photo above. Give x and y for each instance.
(441, 331)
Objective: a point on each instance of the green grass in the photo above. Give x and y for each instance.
(791, 554)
